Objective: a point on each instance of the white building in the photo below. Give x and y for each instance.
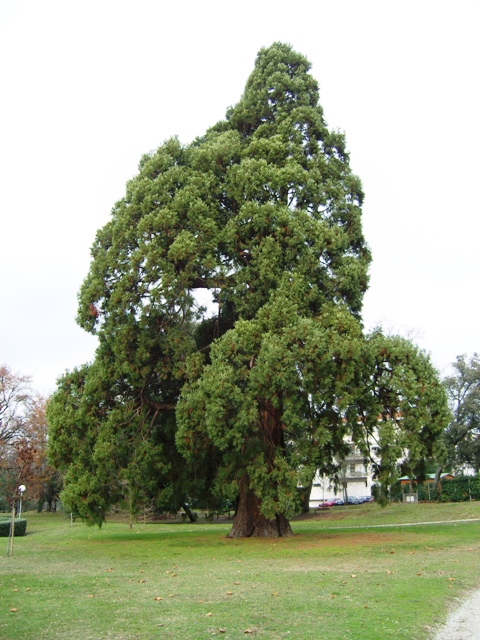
(356, 478)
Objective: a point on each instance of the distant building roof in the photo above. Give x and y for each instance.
(430, 477)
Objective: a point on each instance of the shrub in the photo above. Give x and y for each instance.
(461, 489)
(20, 528)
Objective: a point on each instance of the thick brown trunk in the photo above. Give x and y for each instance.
(250, 522)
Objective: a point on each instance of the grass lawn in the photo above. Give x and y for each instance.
(352, 572)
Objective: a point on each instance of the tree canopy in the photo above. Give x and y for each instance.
(246, 399)
(462, 438)
(23, 441)
(15, 401)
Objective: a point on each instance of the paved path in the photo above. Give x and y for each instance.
(464, 622)
(403, 524)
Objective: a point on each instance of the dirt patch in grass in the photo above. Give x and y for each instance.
(322, 540)
(347, 539)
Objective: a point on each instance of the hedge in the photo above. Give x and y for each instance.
(461, 489)
(20, 528)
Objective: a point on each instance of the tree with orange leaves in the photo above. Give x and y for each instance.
(23, 438)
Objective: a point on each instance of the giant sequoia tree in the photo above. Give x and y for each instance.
(264, 212)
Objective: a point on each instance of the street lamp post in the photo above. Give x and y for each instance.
(21, 489)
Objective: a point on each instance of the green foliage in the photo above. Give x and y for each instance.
(111, 453)
(20, 527)
(461, 489)
(462, 438)
(298, 372)
(400, 410)
(264, 212)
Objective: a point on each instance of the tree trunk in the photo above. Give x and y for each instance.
(437, 485)
(250, 522)
(306, 498)
(190, 514)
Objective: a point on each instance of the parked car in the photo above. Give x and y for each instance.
(326, 503)
(339, 502)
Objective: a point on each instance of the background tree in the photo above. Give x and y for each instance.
(15, 394)
(44, 482)
(462, 437)
(23, 438)
(264, 212)
(400, 410)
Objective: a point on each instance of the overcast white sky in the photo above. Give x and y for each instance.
(88, 87)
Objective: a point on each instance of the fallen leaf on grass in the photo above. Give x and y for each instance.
(142, 581)
(249, 631)
(451, 579)
(16, 589)
(449, 586)
(174, 575)
(353, 575)
(427, 627)
(222, 631)
(390, 573)
(90, 595)
(229, 593)
(419, 574)
(236, 583)
(14, 610)
(158, 598)
(275, 593)
(28, 589)
(208, 614)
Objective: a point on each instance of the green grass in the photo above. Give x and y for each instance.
(341, 576)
